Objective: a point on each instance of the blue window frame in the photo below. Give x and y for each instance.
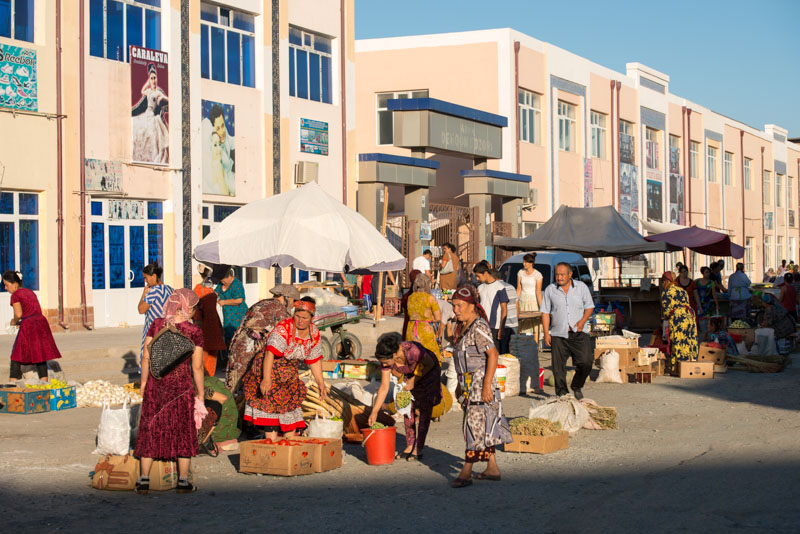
(98, 254)
(310, 73)
(97, 208)
(205, 212)
(29, 253)
(136, 258)
(116, 256)
(7, 203)
(28, 204)
(8, 249)
(16, 19)
(227, 45)
(114, 25)
(221, 212)
(155, 210)
(155, 243)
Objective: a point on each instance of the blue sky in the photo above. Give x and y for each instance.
(738, 58)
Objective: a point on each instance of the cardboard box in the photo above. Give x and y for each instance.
(391, 292)
(63, 398)
(538, 444)
(280, 460)
(628, 356)
(628, 373)
(24, 401)
(748, 335)
(327, 453)
(720, 369)
(696, 369)
(617, 341)
(659, 367)
(357, 370)
(712, 354)
(332, 369)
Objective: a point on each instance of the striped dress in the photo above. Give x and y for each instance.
(156, 297)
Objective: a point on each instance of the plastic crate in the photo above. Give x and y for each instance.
(391, 307)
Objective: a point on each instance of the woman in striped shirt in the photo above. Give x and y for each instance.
(154, 296)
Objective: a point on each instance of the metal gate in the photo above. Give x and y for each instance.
(397, 233)
(500, 229)
(457, 225)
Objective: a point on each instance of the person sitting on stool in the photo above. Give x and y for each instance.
(566, 308)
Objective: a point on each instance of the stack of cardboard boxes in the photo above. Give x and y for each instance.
(636, 365)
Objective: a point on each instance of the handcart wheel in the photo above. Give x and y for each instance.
(327, 349)
(349, 348)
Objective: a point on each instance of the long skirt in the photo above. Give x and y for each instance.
(485, 426)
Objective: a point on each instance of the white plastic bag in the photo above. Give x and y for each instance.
(765, 341)
(565, 410)
(325, 428)
(512, 374)
(609, 368)
(114, 432)
(398, 387)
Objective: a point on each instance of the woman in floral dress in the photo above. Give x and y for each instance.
(681, 325)
(273, 390)
(424, 316)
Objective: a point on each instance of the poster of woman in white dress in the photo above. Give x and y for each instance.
(150, 106)
(217, 130)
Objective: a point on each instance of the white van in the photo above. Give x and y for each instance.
(545, 263)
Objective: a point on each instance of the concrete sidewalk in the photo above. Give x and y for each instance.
(102, 354)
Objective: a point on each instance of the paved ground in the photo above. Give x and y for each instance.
(691, 456)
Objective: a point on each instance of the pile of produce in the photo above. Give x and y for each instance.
(403, 399)
(739, 324)
(54, 383)
(604, 416)
(377, 426)
(97, 392)
(534, 427)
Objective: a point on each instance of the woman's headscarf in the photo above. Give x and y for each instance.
(306, 306)
(469, 294)
(412, 276)
(422, 282)
(768, 298)
(179, 305)
(668, 277)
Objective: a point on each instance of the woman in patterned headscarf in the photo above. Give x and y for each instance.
(680, 324)
(166, 428)
(475, 358)
(273, 390)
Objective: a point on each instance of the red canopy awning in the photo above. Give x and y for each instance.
(700, 240)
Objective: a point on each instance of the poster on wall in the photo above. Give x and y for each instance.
(126, 210)
(626, 148)
(314, 137)
(588, 184)
(18, 87)
(676, 196)
(103, 175)
(651, 154)
(629, 193)
(149, 106)
(219, 153)
(654, 200)
(674, 160)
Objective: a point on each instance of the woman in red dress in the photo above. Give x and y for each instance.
(167, 429)
(34, 344)
(273, 390)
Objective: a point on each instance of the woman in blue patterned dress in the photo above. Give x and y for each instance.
(230, 295)
(154, 296)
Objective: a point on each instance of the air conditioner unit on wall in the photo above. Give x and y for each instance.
(532, 201)
(306, 172)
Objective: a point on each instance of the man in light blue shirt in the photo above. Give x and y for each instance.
(566, 308)
(739, 294)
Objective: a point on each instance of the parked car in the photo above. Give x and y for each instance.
(545, 264)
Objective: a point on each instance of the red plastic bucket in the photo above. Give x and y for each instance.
(380, 445)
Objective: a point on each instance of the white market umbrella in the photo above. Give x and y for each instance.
(304, 227)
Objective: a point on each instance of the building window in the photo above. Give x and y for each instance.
(674, 154)
(114, 25)
(778, 190)
(748, 164)
(767, 252)
(651, 148)
(227, 45)
(789, 192)
(768, 188)
(711, 163)
(779, 248)
(749, 260)
(727, 170)
(566, 126)
(598, 135)
(529, 116)
(694, 158)
(19, 236)
(385, 120)
(16, 19)
(310, 71)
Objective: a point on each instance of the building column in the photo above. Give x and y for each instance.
(512, 212)
(416, 209)
(370, 202)
(484, 204)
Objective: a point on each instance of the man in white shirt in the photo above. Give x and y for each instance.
(494, 300)
(423, 263)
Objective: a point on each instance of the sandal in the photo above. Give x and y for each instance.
(142, 487)
(186, 488)
(413, 457)
(402, 455)
(461, 483)
(484, 476)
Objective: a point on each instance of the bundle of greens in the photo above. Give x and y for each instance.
(534, 427)
(403, 399)
(377, 426)
(739, 324)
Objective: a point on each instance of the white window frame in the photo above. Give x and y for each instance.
(694, 159)
(416, 93)
(767, 188)
(530, 116)
(779, 248)
(748, 177)
(567, 126)
(727, 169)
(598, 121)
(749, 260)
(767, 251)
(229, 28)
(778, 190)
(652, 137)
(711, 163)
(309, 49)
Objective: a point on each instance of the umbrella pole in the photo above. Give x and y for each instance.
(381, 276)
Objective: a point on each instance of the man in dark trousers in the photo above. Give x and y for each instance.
(566, 308)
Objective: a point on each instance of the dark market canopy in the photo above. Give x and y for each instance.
(700, 240)
(591, 232)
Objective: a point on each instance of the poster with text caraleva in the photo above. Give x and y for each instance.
(18, 87)
(149, 106)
